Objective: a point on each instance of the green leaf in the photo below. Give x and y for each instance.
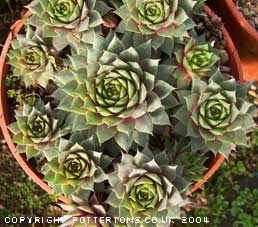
(160, 117)
(215, 146)
(163, 89)
(93, 118)
(150, 65)
(68, 190)
(144, 124)
(123, 140)
(140, 138)
(60, 43)
(153, 102)
(130, 55)
(104, 133)
(95, 19)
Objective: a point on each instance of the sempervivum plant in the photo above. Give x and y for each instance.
(32, 59)
(66, 19)
(146, 185)
(116, 90)
(81, 213)
(215, 115)
(134, 101)
(36, 129)
(76, 168)
(194, 58)
(157, 19)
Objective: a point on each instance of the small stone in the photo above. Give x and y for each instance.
(252, 93)
(199, 25)
(249, 9)
(216, 19)
(219, 46)
(251, 23)
(245, 11)
(256, 101)
(223, 56)
(35, 85)
(225, 69)
(255, 20)
(251, 12)
(253, 87)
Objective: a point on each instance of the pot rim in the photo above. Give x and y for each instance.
(21, 159)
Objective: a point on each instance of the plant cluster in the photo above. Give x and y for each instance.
(131, 113)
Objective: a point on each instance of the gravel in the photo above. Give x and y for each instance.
(249, 9)
(253, 94)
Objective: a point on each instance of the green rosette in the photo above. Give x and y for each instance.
(76, 168)
(36, 129)
(116, 90)
(67, 21)
(32, 60)
(146, 185)
(195, 58)
(215, 116)
(159, 20)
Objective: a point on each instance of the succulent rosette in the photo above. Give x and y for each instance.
(215, 115)
(194, 59)
(66, 19)
(146, 185)
(81, 213)
(76, 168)
(36, 129)
(158, 19)
(116, 90)
(32, 59)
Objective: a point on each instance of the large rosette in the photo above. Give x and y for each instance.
(116, 90)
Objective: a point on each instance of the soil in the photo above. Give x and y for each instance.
(10, 11)
(249, 9)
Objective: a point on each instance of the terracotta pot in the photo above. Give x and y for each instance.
(213, 164)
(243, 34)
